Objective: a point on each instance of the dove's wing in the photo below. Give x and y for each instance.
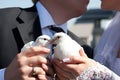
(27, 45)
(75, 44)
(79, 46)
(66, 48)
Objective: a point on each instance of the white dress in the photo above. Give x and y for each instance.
(106, 53)
(107, 50)
(98, 72)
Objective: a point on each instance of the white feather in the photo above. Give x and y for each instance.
(65, 46)
(42, 40)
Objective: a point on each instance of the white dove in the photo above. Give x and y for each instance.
(42, 40)
(65, 46)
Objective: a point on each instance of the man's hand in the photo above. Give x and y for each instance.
(21, 68)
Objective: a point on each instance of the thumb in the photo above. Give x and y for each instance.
(82, 53)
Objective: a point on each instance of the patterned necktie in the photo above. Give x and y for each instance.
(55, 30)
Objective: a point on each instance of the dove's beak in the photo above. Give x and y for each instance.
(49, 41)
(52, 41)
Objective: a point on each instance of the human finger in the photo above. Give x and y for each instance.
(26, 73)
(44, 77)
(37, 71)
(31, 61)
(36, 60)
(35, 51)
(82, 53)
(68, 72)
(58, 72)
(71, 69)
(48, 69)
(75, 60)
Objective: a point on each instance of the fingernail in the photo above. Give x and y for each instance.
(66, 60)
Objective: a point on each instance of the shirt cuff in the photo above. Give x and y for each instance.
(2, 74)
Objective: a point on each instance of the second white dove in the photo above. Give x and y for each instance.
(65, 46)
(42, 40)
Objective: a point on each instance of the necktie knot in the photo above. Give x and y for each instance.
(56, 29)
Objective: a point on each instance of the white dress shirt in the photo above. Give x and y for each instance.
(45, 20)
(2, 74)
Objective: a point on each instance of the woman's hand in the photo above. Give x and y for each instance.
(73, 67)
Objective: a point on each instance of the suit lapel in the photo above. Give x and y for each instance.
(29, 26)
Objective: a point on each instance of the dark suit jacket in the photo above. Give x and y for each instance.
(17, 27)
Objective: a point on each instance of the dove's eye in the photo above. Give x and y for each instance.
(58, 37)
(45, 39)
